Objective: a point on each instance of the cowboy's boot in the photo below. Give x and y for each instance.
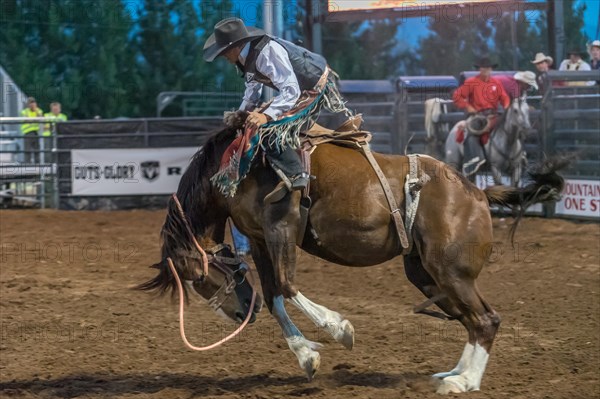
(297, 182)
(289, 169)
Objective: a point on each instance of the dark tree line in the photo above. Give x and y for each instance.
(109, 57)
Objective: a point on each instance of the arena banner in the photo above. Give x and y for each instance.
(580, 198)
(136, 171)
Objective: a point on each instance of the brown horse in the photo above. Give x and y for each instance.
(350, 224)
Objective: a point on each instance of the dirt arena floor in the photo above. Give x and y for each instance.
(71, 326)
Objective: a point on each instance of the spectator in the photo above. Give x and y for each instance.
(575, 63)
(594, 52)
(516, 86)
(542, 63)
(31, 131)
(56, 114)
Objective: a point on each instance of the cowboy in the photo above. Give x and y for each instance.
(516, 86)
(542, 63)
(305, 84)
(480, 96)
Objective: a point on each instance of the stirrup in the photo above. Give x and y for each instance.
(277, 194)
(298, 182)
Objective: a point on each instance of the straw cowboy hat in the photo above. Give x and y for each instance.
(526, 77)
(227, 34)
(485, 63)
(541, 57)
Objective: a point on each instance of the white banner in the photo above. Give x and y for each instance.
(128, 171)
(580, 198)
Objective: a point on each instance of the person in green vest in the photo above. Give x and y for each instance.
(56, 114)
(31, 131)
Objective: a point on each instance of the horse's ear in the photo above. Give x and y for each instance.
(209, 231)
(160, 265)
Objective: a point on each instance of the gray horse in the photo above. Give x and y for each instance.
(504, 150)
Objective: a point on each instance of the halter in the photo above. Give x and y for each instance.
(230, 282)
(219, 297)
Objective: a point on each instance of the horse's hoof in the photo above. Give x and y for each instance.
(453, 384)
(347, 338)
(311, 365)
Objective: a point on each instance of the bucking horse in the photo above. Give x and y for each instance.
(349, 223)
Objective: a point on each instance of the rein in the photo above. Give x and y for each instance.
(227, 287)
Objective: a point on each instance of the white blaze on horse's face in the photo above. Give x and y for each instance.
(520, 113)
(524, 107)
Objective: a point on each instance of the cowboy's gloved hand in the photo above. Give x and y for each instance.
(256, 119)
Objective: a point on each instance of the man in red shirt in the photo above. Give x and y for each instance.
(479, 95)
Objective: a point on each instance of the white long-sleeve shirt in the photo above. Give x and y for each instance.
(580, 65)
(273, 62)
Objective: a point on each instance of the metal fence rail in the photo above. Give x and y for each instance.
(23, 181)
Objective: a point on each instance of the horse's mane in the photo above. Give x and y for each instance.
(194, 192)
(195, 186)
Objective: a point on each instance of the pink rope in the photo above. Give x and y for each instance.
(182, 324)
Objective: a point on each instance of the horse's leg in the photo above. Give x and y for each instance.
(334, 323)
(305, 350)
(455, 276)
(452, 149)
(482, 323)
(280, 226)
(421, 279)
(496, 174)
(518, 168)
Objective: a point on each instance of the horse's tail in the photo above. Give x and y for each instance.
(546, 185)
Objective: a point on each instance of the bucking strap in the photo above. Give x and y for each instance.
(389, 195)
(305, 201)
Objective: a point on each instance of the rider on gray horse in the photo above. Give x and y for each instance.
(305, 84)
(480, 97)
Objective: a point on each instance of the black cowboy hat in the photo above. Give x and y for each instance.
(485, 63)
(578, 52)
(228, 33)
